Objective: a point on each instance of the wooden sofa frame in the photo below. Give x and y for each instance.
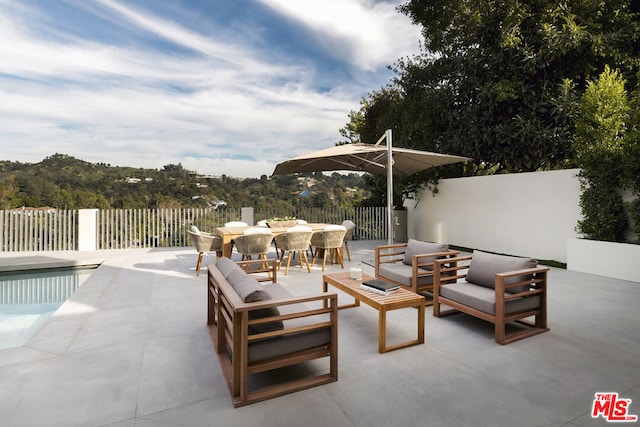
(422, 265)
(228, 317)
(449, 271)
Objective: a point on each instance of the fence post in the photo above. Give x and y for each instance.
(247, 215)
(87, 229)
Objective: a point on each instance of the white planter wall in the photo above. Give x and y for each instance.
(527, 214)
(618, 260)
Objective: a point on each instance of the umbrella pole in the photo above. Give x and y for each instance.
(389, 138)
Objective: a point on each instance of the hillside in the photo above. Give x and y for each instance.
(65, 182)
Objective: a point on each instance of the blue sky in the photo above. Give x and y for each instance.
(221, 86)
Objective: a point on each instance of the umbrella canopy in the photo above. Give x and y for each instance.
(373, 158)
(366, 158)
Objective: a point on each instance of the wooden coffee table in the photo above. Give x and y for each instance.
(383, 303)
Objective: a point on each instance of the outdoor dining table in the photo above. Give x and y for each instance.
(229, 233)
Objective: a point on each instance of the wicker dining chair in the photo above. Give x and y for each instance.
(254, 241)
(351, 227)
(329, 240)
(296, 240)
(204, 242)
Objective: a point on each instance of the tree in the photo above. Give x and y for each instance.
(492, 80)
(599, 146)
(631, 159)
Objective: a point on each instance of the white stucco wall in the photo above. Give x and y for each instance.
(527, 214)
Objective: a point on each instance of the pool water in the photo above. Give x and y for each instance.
(28, 299)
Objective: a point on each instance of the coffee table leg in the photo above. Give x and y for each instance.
(421, 310)
(325, 288)
(382, 331)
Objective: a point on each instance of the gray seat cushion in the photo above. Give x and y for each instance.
(484, 299)
(416, 247)
(401, 273)
(484, 266)
(279, 346)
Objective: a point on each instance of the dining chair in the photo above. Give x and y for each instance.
(351, 227)
(204, 242)
(295, 240)
(330, 239)
(254, 241)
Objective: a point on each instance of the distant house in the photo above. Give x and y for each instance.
(215, 204)
(132, 180)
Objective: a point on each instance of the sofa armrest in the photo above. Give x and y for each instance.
(388, 254)
(533, 278)
(424, 264)
(446, 271)
(329, 305)
(233, 311)
(258, 266)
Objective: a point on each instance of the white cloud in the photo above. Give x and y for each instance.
(368, 34)
(224, 109)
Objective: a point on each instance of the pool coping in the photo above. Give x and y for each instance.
(42, 262)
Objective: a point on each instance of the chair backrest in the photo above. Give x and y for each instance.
(259, 243)
(296, 238)
(205, 243)
(351, 227)
(330, 237)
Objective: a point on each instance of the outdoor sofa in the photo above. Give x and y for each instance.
(411, 264)
(257, 329)
(500, 289)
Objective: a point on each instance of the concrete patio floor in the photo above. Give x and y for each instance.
(131, 348)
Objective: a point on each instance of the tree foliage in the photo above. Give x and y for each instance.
(599, 145)
(631, 160)
(64, 182)
(499, 80)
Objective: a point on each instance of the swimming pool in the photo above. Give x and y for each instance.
(29, 298)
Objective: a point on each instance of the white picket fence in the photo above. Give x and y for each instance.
(57, 230)
(38, 230)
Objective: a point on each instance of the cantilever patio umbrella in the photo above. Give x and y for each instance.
(372, 158)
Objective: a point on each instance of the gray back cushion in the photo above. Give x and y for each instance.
(484, 267)
(249, 290)
(226, 266)
(416, 247)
